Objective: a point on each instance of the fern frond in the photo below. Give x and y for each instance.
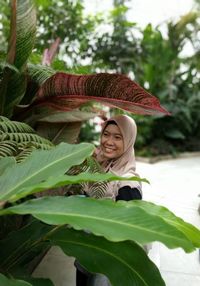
(26, 148)
(25, 152)
(8, 148)
(90, 165)
(19, 139)
(14, 127)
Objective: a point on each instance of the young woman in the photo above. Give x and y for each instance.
(115, 155)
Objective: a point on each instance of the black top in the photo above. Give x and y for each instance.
(127, 193)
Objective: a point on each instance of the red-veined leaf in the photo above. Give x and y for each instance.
(68, 91)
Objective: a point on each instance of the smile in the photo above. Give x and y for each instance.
(109, 149)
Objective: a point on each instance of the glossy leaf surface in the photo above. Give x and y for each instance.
(115, 221)
(41, 165)
(188, 229)
(125, 263)
(59, 181)
(4, 281)
(68, 91)
(21, 246)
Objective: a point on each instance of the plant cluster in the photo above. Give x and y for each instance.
(106, 237)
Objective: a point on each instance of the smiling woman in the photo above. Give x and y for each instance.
(115, 155)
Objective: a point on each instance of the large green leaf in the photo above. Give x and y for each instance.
(70, 116)
(59, 132)
(124, 263)
(23, 245)
(12, 87)
(21, 42)
(39, 281)
(37, 75)
(188, 229)
(5, 163)
(41, 165)
(68, 91)
(115, 221)
(23, 31)
(4, 281)
(62, 126)
(59, 181)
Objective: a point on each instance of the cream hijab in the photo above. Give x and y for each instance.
(125, 165)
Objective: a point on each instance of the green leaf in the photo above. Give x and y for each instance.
(192, 233)
(174, 134)
(70, 116)
(4, 281)
(124, 263)
(58, 126)
(21, 246)
(12, 89)
(59, 132)
(40, 282)
(59, 181)
(41, 165)
(115, 221)
(21, 42)
(23, 31)
(6, 163)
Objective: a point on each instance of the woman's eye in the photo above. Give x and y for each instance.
(118, 137)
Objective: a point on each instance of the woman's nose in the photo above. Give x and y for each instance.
(109, 141)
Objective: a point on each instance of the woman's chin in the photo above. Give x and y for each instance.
(109, 155)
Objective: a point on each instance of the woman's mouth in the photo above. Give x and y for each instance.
(109, 150)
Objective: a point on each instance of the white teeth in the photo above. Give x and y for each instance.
(109, 149)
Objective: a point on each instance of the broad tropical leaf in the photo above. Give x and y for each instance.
(22, 36)
(125, 263)
(12, 88)
(42, 165)
(115, 221)
(6, 163)
(23, 31)
(37, 75)
(58, 181)
(70, 116)
(62, 126)
(59, 132)
(188, 229)
(4, 281)
(67, 91)
(21, 246)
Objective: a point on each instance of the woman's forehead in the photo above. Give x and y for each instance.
(114, 129)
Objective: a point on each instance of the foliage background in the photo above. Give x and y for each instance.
(154, 60)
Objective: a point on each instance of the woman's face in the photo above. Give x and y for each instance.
(112, 144)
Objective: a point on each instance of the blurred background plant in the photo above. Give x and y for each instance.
(156, 61)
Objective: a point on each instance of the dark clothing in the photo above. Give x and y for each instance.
(125, 193)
